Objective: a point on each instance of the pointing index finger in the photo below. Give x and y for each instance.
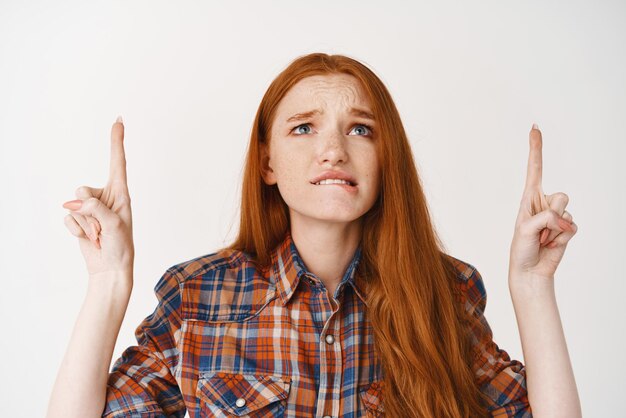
(533, 174)
(117, 169)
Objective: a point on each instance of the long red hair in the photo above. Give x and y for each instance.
(424, 345)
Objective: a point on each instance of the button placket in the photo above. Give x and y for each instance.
(331, 365)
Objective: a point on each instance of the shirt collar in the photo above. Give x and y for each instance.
(288, 269)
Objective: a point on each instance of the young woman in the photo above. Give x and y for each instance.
(336, 299)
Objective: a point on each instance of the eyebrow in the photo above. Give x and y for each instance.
(353, 111)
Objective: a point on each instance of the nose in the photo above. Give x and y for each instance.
(333, 148)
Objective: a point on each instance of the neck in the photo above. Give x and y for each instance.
(326, 248)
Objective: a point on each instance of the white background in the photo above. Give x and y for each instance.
(469, 79)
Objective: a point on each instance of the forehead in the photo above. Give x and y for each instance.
(324, 90)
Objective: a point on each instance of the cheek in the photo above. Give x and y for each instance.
(370, 163)
(288, 172)
(289, 165)
(290, 177)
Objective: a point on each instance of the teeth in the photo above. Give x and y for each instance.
(333, 181)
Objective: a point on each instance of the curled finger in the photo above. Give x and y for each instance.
(78, 231)
(557, 202)
(84, 224)
(567, 216)
(85, 192)
(74, 227)
(563, 238)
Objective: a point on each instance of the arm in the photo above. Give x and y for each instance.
(80, 386)
(543, 229)
(551, 386)
(502, 380)
(142, 381)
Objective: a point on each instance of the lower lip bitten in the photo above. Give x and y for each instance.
(346, 187)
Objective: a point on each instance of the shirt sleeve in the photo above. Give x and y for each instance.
(501, 379)
(142, 382)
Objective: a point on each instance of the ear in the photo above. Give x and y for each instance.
(266, 170)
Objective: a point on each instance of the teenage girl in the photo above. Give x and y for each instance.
(336, 299)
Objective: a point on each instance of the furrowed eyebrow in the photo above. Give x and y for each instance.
(362, 113)
(354, 111)
(304, 115)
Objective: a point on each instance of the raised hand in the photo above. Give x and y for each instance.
(101, 217)
(543, 226)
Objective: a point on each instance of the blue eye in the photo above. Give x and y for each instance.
(304, 124)
(359, 126)
(369, 128)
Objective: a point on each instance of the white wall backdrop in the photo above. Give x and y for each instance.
(469, 79)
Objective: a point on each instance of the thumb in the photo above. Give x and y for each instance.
(545, 219)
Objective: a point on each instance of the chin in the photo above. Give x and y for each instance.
(331, 215)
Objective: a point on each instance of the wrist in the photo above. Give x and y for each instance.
(111, 282)
(529, 284)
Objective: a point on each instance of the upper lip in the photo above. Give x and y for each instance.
(334, 174)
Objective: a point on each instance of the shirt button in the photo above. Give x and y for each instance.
(329, 339)
(240, 402)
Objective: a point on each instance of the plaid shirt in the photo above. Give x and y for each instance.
(229, 339)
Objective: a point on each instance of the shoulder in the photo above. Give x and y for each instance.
(226, 285)
(209, 264)
(469, 282)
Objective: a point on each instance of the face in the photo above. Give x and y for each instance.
(338, 137)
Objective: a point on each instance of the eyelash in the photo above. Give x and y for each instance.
(357, 124)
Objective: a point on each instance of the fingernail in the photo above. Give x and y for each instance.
(73, 204)
(119, 119)
(535, 126)
(565, 225)
(544, 235)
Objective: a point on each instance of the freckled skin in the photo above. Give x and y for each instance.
(333, 140)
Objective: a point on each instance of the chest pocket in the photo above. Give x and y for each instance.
(372, 400)
(225, 394)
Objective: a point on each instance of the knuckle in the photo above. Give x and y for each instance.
(563, 196)
(92, 201)
(554, 214)
(71, 226)
(81, 191)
